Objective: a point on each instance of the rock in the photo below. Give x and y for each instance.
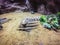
(31, 25)
(28, 24)
(4, 20)
(1, 27)
(27, 29)
(30, 20)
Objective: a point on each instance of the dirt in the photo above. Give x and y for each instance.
(10, 35)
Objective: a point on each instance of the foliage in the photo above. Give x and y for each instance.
(50, 21)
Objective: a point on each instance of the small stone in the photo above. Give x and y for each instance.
(32, 12)
(1, 27)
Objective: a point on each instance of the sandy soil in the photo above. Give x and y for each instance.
(10, 35)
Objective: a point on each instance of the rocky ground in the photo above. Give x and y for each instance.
(10, 35)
